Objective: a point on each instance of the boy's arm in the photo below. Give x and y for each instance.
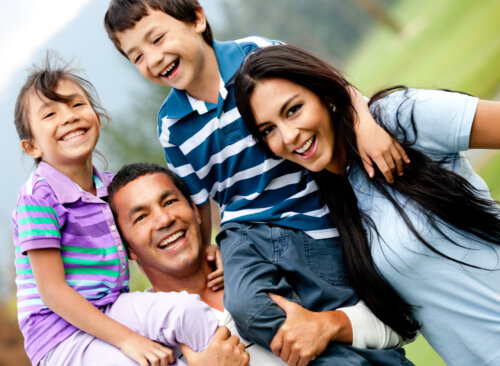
(206, 222)
(48, 271)
(374, 143)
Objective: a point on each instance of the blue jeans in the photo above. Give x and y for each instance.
(261, 258)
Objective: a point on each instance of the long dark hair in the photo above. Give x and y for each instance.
(440, 193)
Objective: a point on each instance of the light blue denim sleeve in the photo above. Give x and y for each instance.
(443, 120)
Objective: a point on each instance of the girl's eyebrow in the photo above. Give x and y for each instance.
(287, 103)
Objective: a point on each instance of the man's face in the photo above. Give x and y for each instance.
(160, 226)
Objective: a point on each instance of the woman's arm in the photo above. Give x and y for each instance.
(485, 131)
(48, 271)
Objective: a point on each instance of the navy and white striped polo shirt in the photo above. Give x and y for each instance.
(210, 148)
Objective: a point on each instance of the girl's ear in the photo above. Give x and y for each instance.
(31, 148)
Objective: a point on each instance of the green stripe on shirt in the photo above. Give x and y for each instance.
(38, 232)
(98, 251)
(37, 220)
(33, 208)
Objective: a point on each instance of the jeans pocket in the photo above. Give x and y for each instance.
(325, 258)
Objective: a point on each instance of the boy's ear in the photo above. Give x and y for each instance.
(31, 148)
(200, 24)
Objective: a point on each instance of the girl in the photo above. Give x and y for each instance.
(434, 233)
(72, 270)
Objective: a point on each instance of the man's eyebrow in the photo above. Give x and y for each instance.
(161, 197)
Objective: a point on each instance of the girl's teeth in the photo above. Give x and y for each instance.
(306, 146)
(73, 134)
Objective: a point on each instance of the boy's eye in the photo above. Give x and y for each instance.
(292, 110)
(158, 39)
(137, 58)
(267, 130)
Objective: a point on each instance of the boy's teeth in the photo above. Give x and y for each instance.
(73, 134)
(171, 239)
(306, 146)
(167, 71)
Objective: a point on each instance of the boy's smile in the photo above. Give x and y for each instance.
(168, 51)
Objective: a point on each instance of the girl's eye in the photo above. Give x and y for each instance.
(158, 39)
(292, 110)
(48, 115)
(78, 104)
(267, 130)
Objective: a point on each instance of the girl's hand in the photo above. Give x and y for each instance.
(224, 350)
(145, 351)
(305, 334)
(216, 278)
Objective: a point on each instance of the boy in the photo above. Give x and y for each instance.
(206, 143)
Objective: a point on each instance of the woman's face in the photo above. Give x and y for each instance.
(294, 123)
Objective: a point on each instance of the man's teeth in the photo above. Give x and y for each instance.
(171, 239)
(73, 134)
(306, 146)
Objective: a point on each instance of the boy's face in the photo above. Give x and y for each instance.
(166, 51)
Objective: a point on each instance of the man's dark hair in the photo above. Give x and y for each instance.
(131, 172)
(124, 14)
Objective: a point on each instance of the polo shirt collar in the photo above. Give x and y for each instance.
(229, 58)
(65, 189)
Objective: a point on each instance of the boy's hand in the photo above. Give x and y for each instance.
(305, 334)
(146, 352)
(375, 144)
(216, 278)
(224, 350)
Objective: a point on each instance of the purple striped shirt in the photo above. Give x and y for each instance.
(54, 212)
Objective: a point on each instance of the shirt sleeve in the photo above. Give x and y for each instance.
(38, 224)
(443, 120)
(367, 330)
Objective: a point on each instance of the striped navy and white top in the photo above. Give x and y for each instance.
(210, 148)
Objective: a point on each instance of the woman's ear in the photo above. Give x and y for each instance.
(30, 147)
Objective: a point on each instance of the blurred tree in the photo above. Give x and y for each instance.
(380, 13)
(328, 28)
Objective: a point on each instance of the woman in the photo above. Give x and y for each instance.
(434, 233)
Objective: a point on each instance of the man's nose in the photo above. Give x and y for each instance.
(163, 218)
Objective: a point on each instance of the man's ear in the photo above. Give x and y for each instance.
(196, 213)
(200, 23)
(31, 148)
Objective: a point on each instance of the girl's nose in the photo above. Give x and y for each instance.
(70, 116)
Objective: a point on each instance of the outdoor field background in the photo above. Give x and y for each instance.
(450, 44)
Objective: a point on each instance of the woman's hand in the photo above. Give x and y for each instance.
(215, 278)
(145, 351)
(305, 334)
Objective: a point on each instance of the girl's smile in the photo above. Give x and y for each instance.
(64, 133)
(295, 124)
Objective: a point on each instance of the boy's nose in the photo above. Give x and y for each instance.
(155, 58)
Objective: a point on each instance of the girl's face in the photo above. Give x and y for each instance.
(63, 134)
(294, 123)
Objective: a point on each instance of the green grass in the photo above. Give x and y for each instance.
(452, 44)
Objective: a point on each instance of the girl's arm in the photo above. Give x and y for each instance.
(485, 131)
(374, 143)
(48, 271)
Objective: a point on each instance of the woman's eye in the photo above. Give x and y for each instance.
(292, 110)
(267, 130)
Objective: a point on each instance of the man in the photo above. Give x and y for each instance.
(161, 228)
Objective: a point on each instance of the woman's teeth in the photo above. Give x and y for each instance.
(306, 146)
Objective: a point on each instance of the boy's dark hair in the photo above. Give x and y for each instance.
(131, 172)
(43, 80)
(124, 14)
